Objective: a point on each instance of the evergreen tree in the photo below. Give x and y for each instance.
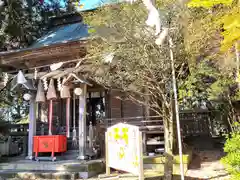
(22, 22)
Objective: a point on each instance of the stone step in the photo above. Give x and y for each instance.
(160, 159)
(29, 175)
(51, 175)
(160, 168)
(148, 175)
(37, 175)
(156, 163)
(82, 169)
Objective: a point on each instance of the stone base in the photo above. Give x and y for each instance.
(51, 170)
(156, 163)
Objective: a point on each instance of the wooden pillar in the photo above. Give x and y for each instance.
(82, 124)
(146, 104)
(108, 107)
(32, 126)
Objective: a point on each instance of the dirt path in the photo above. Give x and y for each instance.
(206, 165)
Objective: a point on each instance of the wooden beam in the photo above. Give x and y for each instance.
(60, 73)
(57, 51)
(65, 57)
(45, 61)
(63, 73)
(80, 79)
(50, 74)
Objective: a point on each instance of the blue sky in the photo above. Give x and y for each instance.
(91, 4)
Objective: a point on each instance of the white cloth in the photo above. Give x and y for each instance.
(153, 19)
(131, 1)
(162, 36)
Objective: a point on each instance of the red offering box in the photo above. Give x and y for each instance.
(54, 143)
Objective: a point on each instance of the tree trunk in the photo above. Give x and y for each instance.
(70, 6)
(237, 64)
(168, 138)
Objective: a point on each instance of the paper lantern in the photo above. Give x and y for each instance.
(65, 92)
(51, 93)
(40, 97)
(78, 91)
(27, 97)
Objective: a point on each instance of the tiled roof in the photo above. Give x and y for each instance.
(62, 34)
(69, 32)
(59, 35)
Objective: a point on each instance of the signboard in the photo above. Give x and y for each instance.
(124, 149)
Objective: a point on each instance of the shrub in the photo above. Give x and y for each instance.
(232, 148)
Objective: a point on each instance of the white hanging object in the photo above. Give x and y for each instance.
(20, 81)
(35, 74)
(131, 1)
(153, 19)
(5, 79)
(56, 66)
(108, 57)
(51, 93)
(59, 84)
(40, 97)
(91, 136)
(27, 97)
(153, 16)
(162, 36)
(20, 78)
(1, 3)
(65, 90)
(78, 91)
(45, 84)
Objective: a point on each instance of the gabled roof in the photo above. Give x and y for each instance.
(63, 34)
(59, 35)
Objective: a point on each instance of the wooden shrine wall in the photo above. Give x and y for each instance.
(122, 108)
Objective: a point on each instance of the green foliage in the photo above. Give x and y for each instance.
(192, 90)
(232, 148)
(13, 105)
(22, 23)
(202, 37)
(231, 27)
(211, 34)
(138, 63)
(208, 3)
(206, 80)
(229, 18)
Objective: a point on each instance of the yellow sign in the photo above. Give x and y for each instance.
(124, 148)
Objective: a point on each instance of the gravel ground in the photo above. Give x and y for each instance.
(206, 165)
